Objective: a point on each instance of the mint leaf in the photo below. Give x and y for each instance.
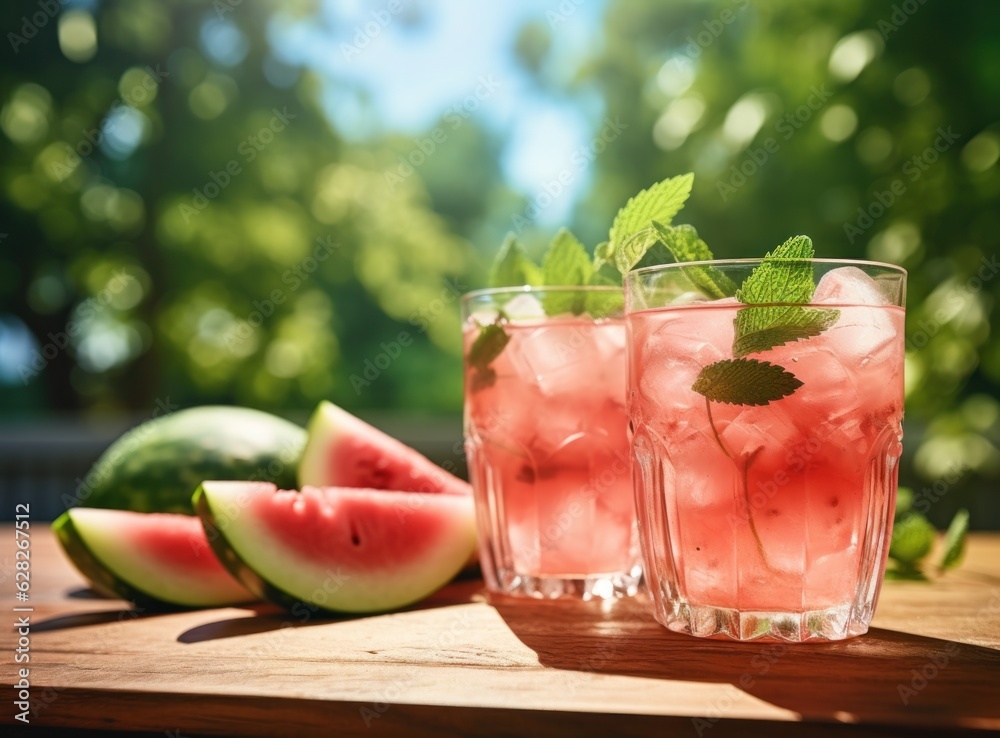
(605, 303)
(782, 277)
(954, 541)
(684, 245)
(762, 328)
(603, 254)
(512, 267)
(489, 344)
(632, 233)
(745, 382)
(912, 538)
(566, 263)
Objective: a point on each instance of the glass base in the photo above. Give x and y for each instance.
(597, 587)
(705, 621)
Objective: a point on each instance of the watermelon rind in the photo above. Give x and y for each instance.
(128, 577)
(395, 465)
(288, 579)
(155, 466)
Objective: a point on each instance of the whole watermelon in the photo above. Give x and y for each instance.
(157, 466)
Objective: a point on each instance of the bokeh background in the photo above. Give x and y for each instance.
(272, 203)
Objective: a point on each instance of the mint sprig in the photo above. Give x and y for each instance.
(784, 276)
(913, 539)
(632, 232)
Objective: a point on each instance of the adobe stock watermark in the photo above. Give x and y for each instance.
(84, 314)
(563, 12)
(928, 496)
(797, 458)
(956, 303)
(91, 138)
(901, 13)
(365, 33)
(374, 366)
(579, 161)
(761, 664)
(131, 440)
(286, 456)
(912, 170)
(786, 127)
(223, 7)
(248, 149)
(920, 678)
(714, 28)
(459, 627)
(295, 276)
(454, 117)
(31, 25)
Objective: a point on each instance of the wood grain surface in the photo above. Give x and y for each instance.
(459, 664)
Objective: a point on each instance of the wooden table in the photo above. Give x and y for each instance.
(460, 665)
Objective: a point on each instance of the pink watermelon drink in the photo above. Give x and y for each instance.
(766, 438)
(546, 434)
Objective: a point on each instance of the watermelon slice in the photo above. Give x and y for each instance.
(345, 451)
(339, 549)
(152, 559)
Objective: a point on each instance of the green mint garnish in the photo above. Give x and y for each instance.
(566, 263)
(603, 254)
(632, 232)
(489, 344)
(783, 277)
(745, 382)
(683, 243)
(606, 303)
(912, 538)
(954, 541)
(512, 267)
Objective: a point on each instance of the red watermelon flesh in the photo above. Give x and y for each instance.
(341, 549)
(152, 558)
(345, 451)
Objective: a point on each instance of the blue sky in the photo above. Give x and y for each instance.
(404, 70)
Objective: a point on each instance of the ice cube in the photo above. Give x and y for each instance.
(559, 359)
(524, 307)
(483, 317)
(681, 344)
(866, 337)
(849, 286)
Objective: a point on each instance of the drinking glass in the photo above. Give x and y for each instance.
(546, 436)
(766, 485)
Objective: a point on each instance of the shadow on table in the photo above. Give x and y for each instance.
(266, 618)
(82, 619)
(883, 676)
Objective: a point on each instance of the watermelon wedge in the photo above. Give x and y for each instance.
(345, 451)
(338, 549)
(156, 560)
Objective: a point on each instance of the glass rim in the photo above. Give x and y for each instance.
(528, 289)
(746, 262)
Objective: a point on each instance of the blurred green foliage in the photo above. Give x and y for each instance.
(291, 281)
